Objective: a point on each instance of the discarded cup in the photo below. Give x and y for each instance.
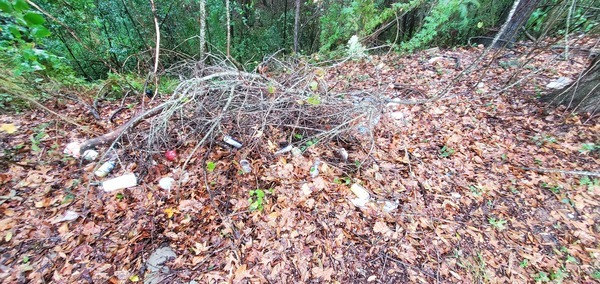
(229, 140)
(90, 155)
(105, 169)
(314, 170)
(246, 167)
(124, 181)
(166, 183)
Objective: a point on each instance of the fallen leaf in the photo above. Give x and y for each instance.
(8, 128)
(169, 211)
(8, 237)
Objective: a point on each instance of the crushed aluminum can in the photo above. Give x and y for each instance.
(284, 149)
(90, 155)
(229, 140)
(343, 153)
(246, 167)
(105, 169)
(314, 170)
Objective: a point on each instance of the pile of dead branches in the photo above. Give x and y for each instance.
(261, 113)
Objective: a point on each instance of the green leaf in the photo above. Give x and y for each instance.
(210, 166)
(40, 32)
(14, 30)
(33, 19)
(21, 5)
(314, 85)
(5, 6)
(314, 100)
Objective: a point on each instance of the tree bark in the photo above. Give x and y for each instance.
(296, 26)
(508, 34)
(583, 95)
(228, 27)
(202, 29)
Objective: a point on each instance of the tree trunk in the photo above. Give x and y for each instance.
(202, 29)
(228, 27)
(508, 34)
(583, 95)
(296, 26)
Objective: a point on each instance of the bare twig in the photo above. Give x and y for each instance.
(581, 173)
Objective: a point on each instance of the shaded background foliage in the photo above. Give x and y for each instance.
(118, 36)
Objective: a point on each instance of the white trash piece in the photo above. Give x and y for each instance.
(166, 183)
(559, 83)
(284, 150)
(314, 170)
(229, 140)
(106, 168)
(362, 195)
(246, 167)
(124, 181)
(72, 149)
(296, 151)
(90, 155)
(342, 153)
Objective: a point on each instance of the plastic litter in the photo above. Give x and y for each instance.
(105, 169)
(90, 155)
(362, 195)
(166, 183)
(284, 149)
(72, 149)
(124, 181)
(246, 167)
(229, 140)
(314, 170)
(296, 151)
(343, 153)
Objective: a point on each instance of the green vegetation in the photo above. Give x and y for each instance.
(257, 199)
(446, 152)
(498, 224)
(53, 45)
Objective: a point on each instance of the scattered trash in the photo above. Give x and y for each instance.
(229, 140)
(90, 155)
(124, 181)
(389, 206)
(314, 170)
(559, 83)
(342, 153)
(246, 167)
(69, 216)
(105, 169)
(296, 151)
(362, 194)
(284, 149)
(166, 183)
(171, 155)
(72, 149)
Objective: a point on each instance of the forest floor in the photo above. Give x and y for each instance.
(474, 204)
